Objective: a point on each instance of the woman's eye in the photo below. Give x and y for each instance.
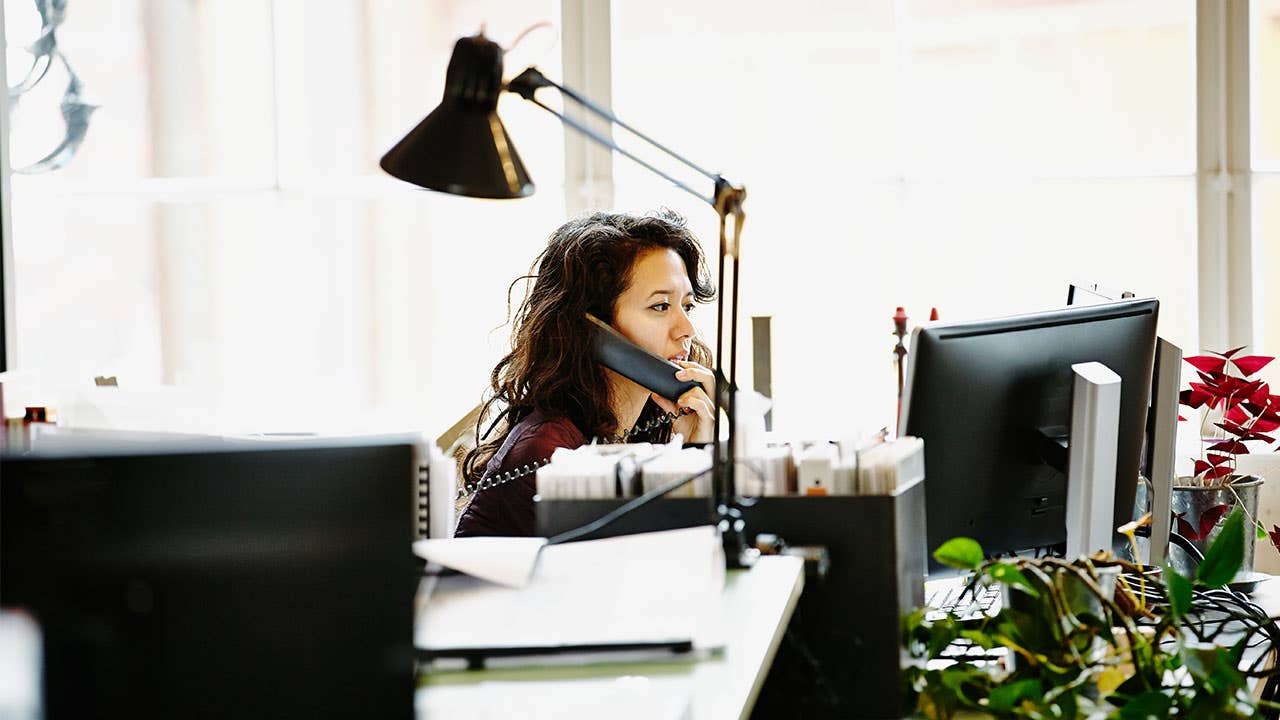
(689, 307)
(660, 307)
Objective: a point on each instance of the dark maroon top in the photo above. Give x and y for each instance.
(507, 509)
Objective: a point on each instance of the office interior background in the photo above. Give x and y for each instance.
(225, 245)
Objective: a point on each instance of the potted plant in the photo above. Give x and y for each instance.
(1236, 410)
(1157, 645)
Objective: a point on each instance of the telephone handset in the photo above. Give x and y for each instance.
(627, 359)
(637, 364)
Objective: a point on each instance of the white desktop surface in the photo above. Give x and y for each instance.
(1267, 594)
(757, 604)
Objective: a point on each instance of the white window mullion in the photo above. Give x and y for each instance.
(177, 127)
(586, 54)
(1226, 250)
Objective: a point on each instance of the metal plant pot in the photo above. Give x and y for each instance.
(1193, 502)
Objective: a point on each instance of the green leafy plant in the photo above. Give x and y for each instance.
(1066, 645)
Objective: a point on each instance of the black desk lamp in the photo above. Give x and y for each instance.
(463, 148)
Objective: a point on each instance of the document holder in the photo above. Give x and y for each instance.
(851, 619)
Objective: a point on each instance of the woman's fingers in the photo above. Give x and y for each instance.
(666, 405)
(690, 370)
(697, 400)
(697, 420)
(687, 405)
(695, 413)
(697, 373)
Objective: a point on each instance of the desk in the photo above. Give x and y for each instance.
(757, 603)
(1267, 594)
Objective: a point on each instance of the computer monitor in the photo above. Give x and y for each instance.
(985, 395)
(207, 578)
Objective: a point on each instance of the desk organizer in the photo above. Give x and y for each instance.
(851, 619)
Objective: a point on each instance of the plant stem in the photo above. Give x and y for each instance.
(1267, 704)
(1253, 522)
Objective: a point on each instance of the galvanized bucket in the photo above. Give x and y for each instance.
(1191, 503)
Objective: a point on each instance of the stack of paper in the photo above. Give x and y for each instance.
(593, 471)
(636, 590)
(883, 468)
(674, 464)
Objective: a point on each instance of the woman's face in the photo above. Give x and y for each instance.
(654, 311)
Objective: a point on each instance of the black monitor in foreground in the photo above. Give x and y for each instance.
(984, 395)
(200, 578)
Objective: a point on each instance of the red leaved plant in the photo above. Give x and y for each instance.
(1247, 408)
(1244, 409)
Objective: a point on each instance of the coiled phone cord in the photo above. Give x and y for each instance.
(487, 483)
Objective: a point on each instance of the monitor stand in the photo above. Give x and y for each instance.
(1091, 461)
(1163, 439)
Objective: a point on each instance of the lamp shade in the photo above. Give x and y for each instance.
(462, 146)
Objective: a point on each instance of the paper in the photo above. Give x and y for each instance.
(884, 468)
(652, 587)
(507, 561)
(631, 697)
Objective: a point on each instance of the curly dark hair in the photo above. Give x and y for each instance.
(586, 265)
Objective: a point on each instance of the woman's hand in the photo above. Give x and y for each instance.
(697, 419)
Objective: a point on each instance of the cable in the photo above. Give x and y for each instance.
(1194, 553)
(525, 33)
(610, 517)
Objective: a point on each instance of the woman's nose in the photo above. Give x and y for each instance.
(684, 325)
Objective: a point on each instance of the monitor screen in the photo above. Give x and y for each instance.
(202, 578)
(983, 395)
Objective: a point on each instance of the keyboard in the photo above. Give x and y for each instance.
(950, 597)
(968, 652)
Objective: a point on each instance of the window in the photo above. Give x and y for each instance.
(1265, 145)
(225, 228)
(972, 156)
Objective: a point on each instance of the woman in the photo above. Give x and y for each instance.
(642, 275)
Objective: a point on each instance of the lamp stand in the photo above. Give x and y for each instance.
(462, 148)
(728, 202)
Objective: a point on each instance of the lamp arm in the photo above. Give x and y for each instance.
(531, 79)
(727, 200)
(608, 143)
